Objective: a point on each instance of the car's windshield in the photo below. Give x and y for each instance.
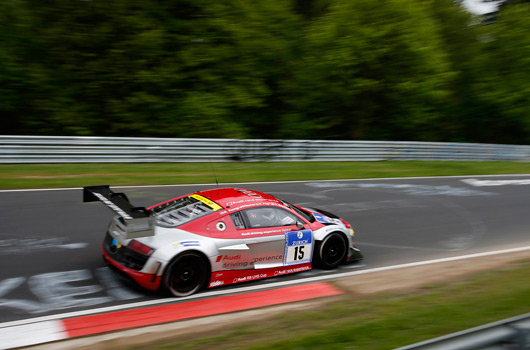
(180, 211)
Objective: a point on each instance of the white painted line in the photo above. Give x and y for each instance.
(79, 245)
(272, 182)
(481, 183)
(361, 243)
(31, 334)
(258, 287)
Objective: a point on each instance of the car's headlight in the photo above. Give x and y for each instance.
(348, 226)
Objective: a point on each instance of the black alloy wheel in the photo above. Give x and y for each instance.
(331, 251)
(186, 274)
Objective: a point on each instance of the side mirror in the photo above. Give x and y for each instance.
(300, 225)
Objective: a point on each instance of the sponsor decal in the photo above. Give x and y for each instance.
(112, 206)
(229, 204)
(293, 270)
(267, 258)
(255, 204)
(189, 243)
(260, 232)
(327, 220)
(249, 193)
(206, 201)
(237, 261)
(216, 283)
(116, 244)
(228, 257)
(232, 261)
(248, 205)
(250, 277)
(261, 200)
(233, 257)
(321, 218)
(237, 276)
(235, 265)
(337, 222)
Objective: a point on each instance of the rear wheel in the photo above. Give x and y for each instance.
(186, 274)
(331, 251)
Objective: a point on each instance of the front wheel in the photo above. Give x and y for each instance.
(186, 274)
(331, 251)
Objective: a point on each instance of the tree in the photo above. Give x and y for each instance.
(461, 37)
(325, 69)
(161, 68)
(371, 72)
(504, 81)
(21, 77)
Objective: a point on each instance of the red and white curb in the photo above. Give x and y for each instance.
(61, 329)
(31, 334)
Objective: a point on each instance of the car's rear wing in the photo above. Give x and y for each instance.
(138, 220)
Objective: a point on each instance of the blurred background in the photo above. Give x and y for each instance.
(423, 70)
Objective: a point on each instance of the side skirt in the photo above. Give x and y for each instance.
(222, 278)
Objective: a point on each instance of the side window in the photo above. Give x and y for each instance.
(238, 220)
(269, 217)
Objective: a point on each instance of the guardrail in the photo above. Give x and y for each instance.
(64, 149)
(512, 333)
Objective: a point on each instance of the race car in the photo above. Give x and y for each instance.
(219, 237)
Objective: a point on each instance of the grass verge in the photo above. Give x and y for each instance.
(382, 321)
(18, 176)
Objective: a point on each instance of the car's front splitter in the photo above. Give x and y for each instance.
(354, 254)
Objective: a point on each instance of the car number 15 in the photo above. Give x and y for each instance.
(298, 247)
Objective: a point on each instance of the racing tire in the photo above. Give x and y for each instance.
(331, 251)
(186, 275)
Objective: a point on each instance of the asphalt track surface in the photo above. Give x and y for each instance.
(50, 241)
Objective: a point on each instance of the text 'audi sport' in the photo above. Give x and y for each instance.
(219, 237)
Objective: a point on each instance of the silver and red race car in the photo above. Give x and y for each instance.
(218, 237)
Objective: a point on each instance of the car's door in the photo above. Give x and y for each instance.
(273, 237)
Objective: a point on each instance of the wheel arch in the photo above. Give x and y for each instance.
(321, 234)
(316, 258)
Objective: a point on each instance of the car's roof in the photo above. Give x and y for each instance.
(234, 198)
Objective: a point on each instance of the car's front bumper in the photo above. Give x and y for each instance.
(354, 254)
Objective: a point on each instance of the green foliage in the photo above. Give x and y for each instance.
(327, 69)
(506, 86)
(372, 74)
